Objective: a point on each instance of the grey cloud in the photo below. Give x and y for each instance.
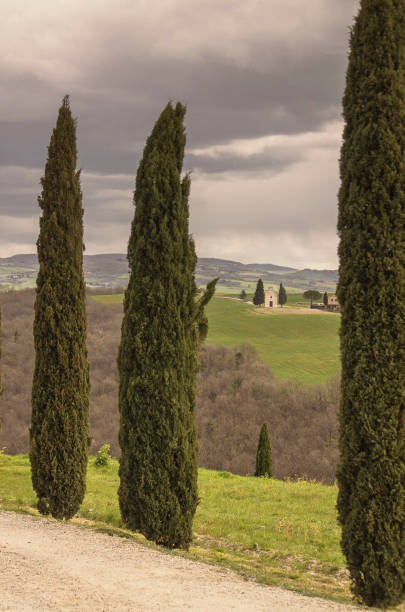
(224, 101)
(19, 190)
(267, 161)
(258, 86)
(300, 200)
(18, 205)
(103, 213)
(24, 143)
(25, 232)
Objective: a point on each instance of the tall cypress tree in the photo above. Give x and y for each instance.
(59, 432)
(282, 295)
(162, 327)
(371, 292)
(1, 388)
(263, 455)
(258, 298)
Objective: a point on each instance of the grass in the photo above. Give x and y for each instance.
(279, 533)
(295, 299)
(114, 298)
(305, 347)
(234, 290)
(294, 346)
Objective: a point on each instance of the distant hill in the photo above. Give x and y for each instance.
(235, 276)
(111, 270)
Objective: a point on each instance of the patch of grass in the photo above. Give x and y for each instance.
(295, 299)
(279, 533)
(294, 346)
(226, 289)
(114, 298)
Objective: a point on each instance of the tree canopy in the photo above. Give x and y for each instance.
(312, 295)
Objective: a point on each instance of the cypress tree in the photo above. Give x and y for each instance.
(59, 433)
(258, 298)
(325, 298)
(371, 292)
(162, 327)
(263, 455)
(282, 295)
(1, 387)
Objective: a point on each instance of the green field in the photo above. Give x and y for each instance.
(113, 298)
(302, 346)
(279, 533)
(294, 346)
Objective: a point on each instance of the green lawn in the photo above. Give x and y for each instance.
(301, 346)
(279, 533)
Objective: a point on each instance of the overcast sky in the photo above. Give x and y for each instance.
(262, 80)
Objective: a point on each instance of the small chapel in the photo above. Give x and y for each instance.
(270, 298)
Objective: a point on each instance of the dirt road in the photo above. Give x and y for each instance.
(47, 565)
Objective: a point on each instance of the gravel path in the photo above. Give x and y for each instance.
(48, 565)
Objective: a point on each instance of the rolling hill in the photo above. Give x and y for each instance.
(295, 343)
(111, 270)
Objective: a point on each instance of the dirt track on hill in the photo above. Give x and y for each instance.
(49, 565)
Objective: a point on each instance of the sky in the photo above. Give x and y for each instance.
(262, 80)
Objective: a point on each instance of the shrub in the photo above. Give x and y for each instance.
(103, 456)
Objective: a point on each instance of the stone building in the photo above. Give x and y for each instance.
(270, 298)
(333, 302)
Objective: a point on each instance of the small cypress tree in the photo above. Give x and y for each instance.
(263, 455)
(258, 298)
(243, 295)
(325, 298)
(59, 433)
(371, 293)
(162, 327)
(282, 295)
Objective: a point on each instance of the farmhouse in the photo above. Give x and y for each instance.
(270, 298)
(333, 302)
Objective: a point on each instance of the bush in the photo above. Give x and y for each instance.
(103, 456)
